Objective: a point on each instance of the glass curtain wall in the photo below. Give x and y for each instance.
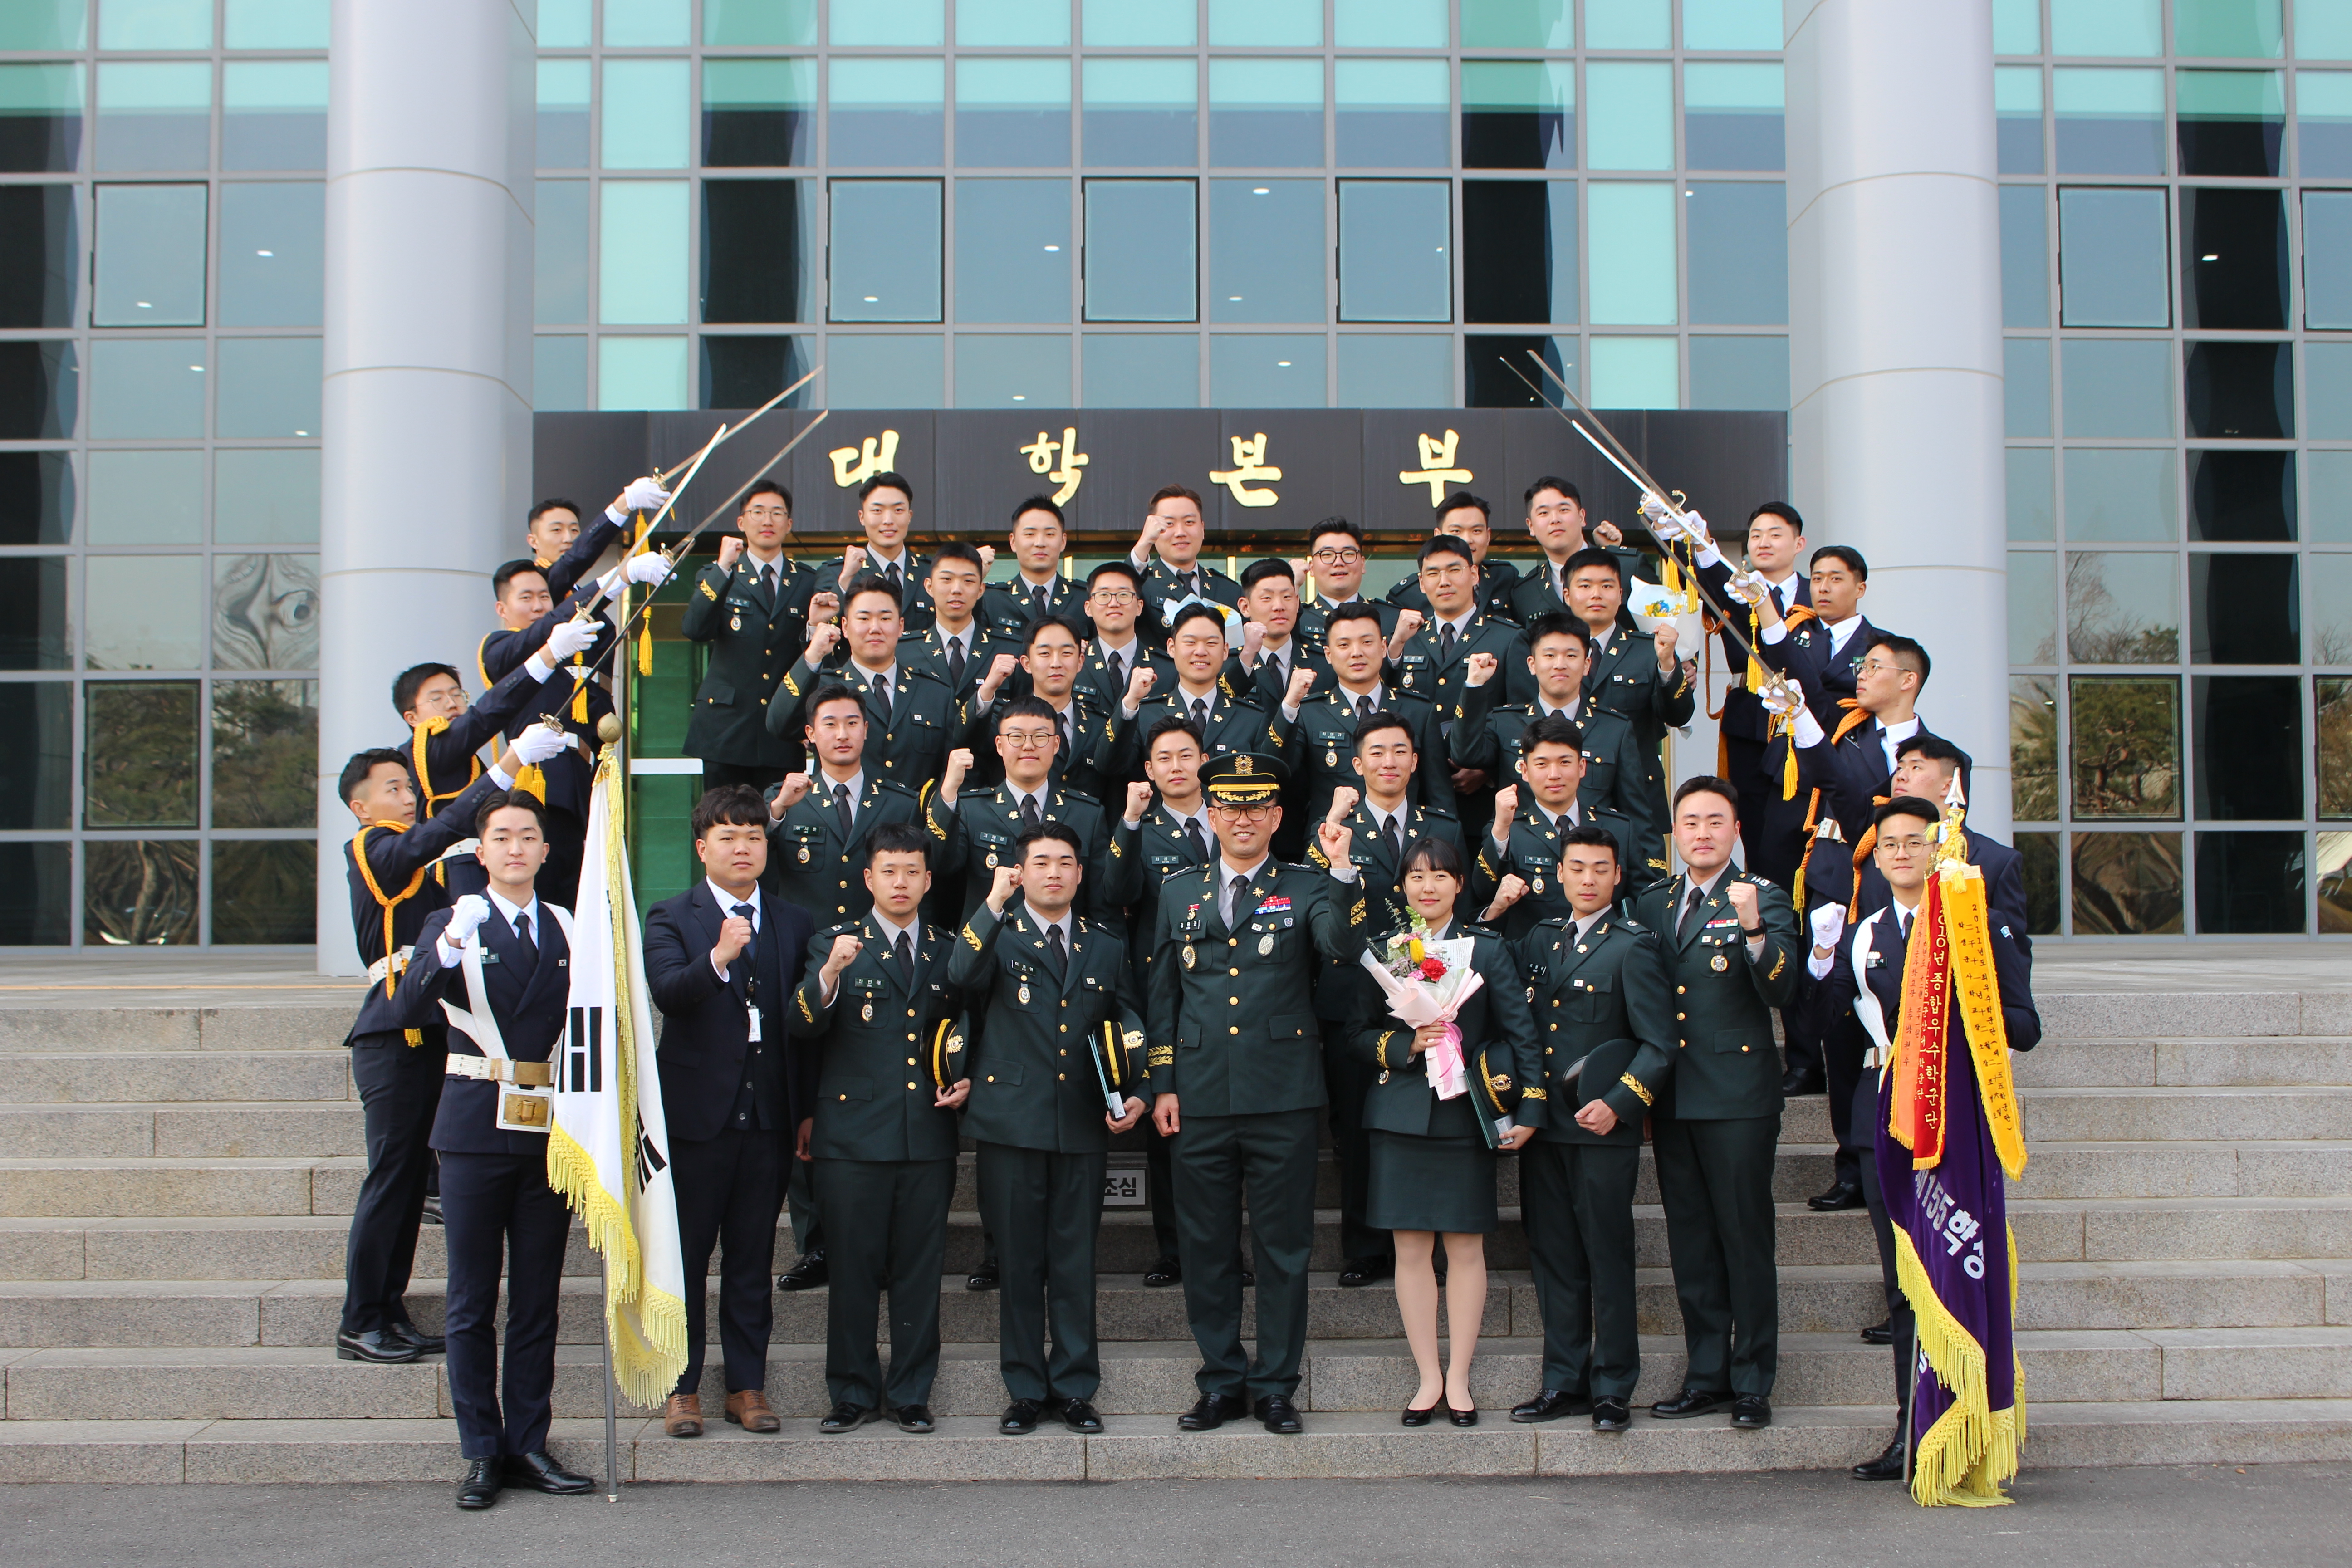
(160, 188)
(2177, 270)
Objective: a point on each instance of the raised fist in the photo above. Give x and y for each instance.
(824, 605)
(734, 936)
(1408, 623)
(951, 779)
(987, 558)
(731, 550)
(643, 495)
(1252, 640)
(851, 559)
(466, 918)
(788, 794)
(823, 638)
(1479, 669)
(537, 744)
(1343, 801)
(1149, 535)
(1510, 891)
(572, 637)
(1139, 801)
(846, 949)
(1138, 684)
(1001, 890)
(1743, 901)
(1666, 637)
(1506, 806)
(1337, 840)
(1302, 681)
(647, 566)
(1607, 535)
(1829, 924)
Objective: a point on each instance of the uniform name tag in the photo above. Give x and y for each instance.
(754, 1015)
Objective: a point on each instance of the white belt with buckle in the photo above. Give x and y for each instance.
(1870, 1057)
(395, 964)
(529, 1074)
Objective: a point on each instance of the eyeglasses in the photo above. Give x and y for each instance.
(1112, 595)
(1240, 812)
(1880, 666)
(1346, 557)
(1028, 739)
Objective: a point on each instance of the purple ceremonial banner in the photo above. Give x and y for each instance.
(1966, 1416)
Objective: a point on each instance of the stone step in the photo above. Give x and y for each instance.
(161, 1187)
(311, 1247)
(2076, 1062)
(2062, 1230)
(308, 1383)
(2154, 1014)
(2317, 1168)
(256, 1026)
(1815, 1299)
(254, 1130)
(2200, 1114)
(1368, 1445)
(99, 1078)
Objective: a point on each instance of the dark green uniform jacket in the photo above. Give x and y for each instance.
(1379, 872)
(1033, 1062)
(983, 823)
(752, 638)
(1489, 737)
(1603, 1001)
(874, 1087)
(1725, 1064)
(1533, 857)
(1425, 671)
(1323, 748)
(911, 744)
(1498, 1044)
(1231, 1008)
(814, 864)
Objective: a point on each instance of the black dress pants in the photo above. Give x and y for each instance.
(1271, 1157)
(1882, 1231)
(1715, 1181)
(400, 1090)
(1348, 1077)
(495, 1204)
(1045, 1209)
(730, 1190)
(1578, 1203)
(885, 1222)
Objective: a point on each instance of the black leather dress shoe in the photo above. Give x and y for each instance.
(848, 1417)
(1211, 1411)
(1887, 1467)
(1167, 1271)
(1020, 1418)
(1879, 1333)
(1798, 1082)
(426, 1344)
(1611, 1414)
(1249, 1278)
(1689, 1402)
(1280, 1416)
(1550, 1405)
(807, 1274)
(380, 1345)
(982, 1278)
(1837, 1196)
(432, 1215)
(1080, 1416)
(1363, 1271)
(914, 1418)
(1751, 1412)
(479, 1488)
(542, 1474)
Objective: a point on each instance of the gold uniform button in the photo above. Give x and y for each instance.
(1680, 989)
(910, 1062)
(1065, 1028)
(1061, 1078)
(910, 1086)
(1232, 971)
(1232, 1001)
(1233, 1029)
(1679, 1017)
(844, 1097)
(910, 1035)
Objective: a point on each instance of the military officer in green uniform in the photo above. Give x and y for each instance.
(1323, 753)
(1051, 1079)
(1168, 554)
(1558, 654)
(1603, 1008)
(1467, 518)
(911, 721)
(817, 826)
(1052, 653)
(1432, 662)
(752, 610)
(1384, 823)
(878, 1009)
(1236, 1071)
(985, 824)
(1118, 648)
(1518, 854)
(1731, 939)
(957, 646)
(1334, 579)
(1036, 589)
(886, 510)
(1230, 723)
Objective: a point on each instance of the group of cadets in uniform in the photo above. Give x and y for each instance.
(1039, 823)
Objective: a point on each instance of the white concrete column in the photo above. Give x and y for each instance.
(1895, 350)
(430, 149)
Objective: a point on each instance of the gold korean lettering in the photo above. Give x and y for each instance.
(1249, 463)
(1437, 468)
(1041, 452)
(856, 465)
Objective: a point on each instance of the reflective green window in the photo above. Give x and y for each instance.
(1608, 24)
(1013, 113)
(562, 114)
(265, 612)
(2109, 121)
(647, 24)
(1748, 372)
(2106, 27)
(760, 256)
(1396, 244)
(2127, 884)
(1267, 250)
(268, 387)
(2233, 261)
(258, 888)
(1011, 369)
(1392, 113)
(2025, 385)
(1635, 372)
(1138, 25)
(560, 249)
(2241, 496)
(1736, 258)
(1267, 24)
(1631, 283)
(1733, 116)
(1265, 112)
(154, 114)
(2121, 494)
(146, 612)
(1630, 118)
(140, 893)
(887, 113)
(1265, 371)
(2125, 744)
(1731, 25)
(276, 25)
(2232, 122)
(44, 24)
(2024, 256)
(156, 24)
(2118, 388)
(36, 766)
(2033, 607)
(1142, 114)
(646, 117)
(2122, 607)
(643, 280)
(1390, 24)
(139, 767)
(2114, 257)
(1012, 251)
(759, 113)
(642, 372)
(1518, 114)
(2327, 260)
(149, 266)
(2033, 747)
(273, 266)
(886, 250)
(274, 114)
(1142, 250)
(40, 118)
(2017, 26)
(563, 24)
(146, 498)
(1137, 370)
(738, 23)
(1022, 24)
(2017, 119)
(147, 387)
(893, 370)
(2252, 29)
(2031, 496)
(1394, 370)
(1519, 255)
(266, 495)
(892, 22)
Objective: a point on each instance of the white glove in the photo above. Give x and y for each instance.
(466, 917)
(1828, 922)
(1695, 529)
(1807, 730)
(643, 495)
(537, 744)
(1750, 587)
(1779, 699)
(649, 568)
(570, 637)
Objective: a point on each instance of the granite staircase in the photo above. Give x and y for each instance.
(175, 1183)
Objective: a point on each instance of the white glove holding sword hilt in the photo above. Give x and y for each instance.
(537, 744)
(1749, 588)
(571, 639)
(466, 918)
(644, 494)
(1779, 698)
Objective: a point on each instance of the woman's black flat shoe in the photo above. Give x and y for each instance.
(1462, 1417)
(1413, 1417)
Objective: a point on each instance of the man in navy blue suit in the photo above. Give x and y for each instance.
(496, 966)
(721, 960)
(1859, 973)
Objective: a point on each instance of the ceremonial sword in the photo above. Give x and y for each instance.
(1648, 486)
(727, 434)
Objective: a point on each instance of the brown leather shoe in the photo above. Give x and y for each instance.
(682, 1417)
(748, 1409)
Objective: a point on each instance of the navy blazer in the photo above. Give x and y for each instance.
(1830, 1000)
(1743, 711)
(706, 1028)
(1829, 878)
(528, 1000)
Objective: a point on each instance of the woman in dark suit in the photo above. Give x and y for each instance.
(1433, 1161)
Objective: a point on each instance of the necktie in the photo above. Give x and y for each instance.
(841, 806)
(1118, 671)
(1690, 911)
(522, 935)
(1364, 707)
(905, 950)
(767, 582)
(1902, 928)
(1396, 839)
(955, 663)
(882, 696)
(1199, 841)
(1055, 955)
(1029, 811)
(1234, 892)
(898, 582)
(1040, 599)
(1445, 644)
(1201, 713)
(1281, 676)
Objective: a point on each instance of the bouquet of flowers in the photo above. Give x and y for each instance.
(1426, 981)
